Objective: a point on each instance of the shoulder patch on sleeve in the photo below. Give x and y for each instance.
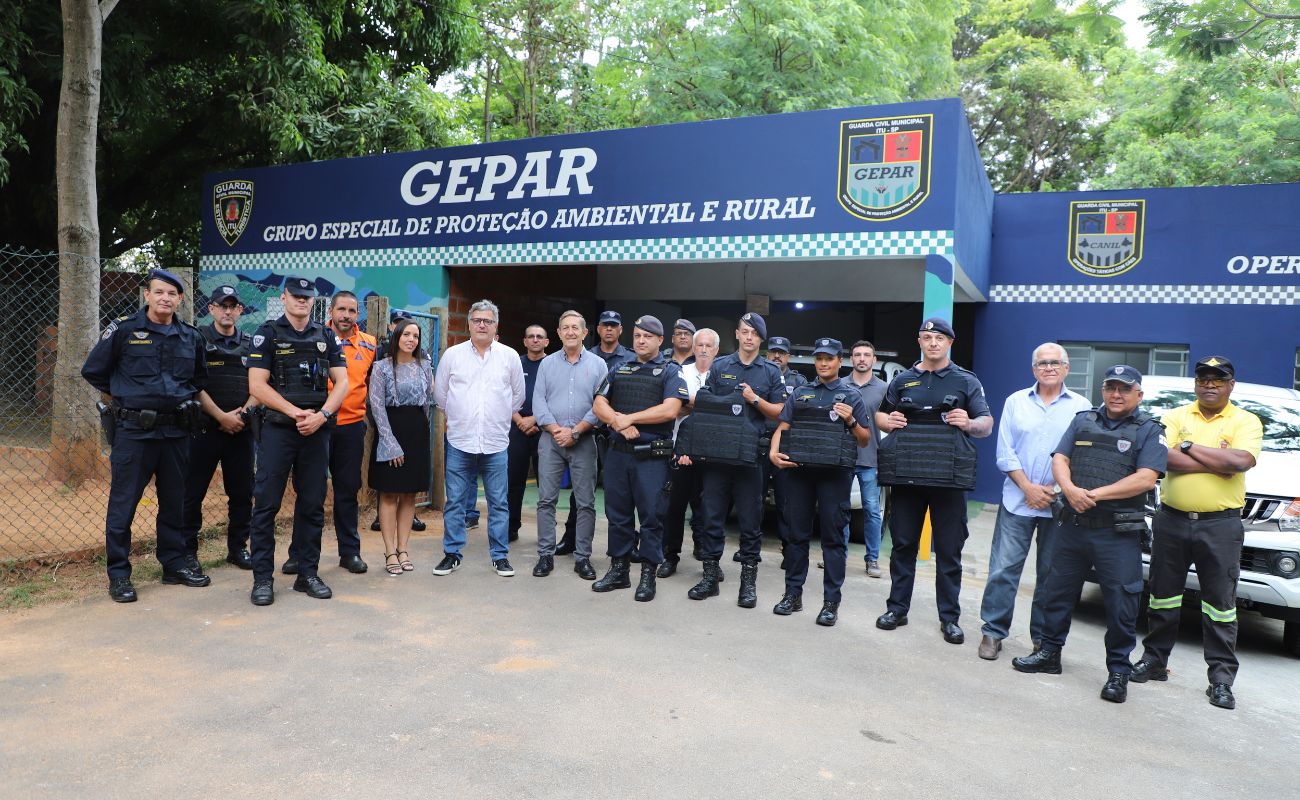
(110, 330)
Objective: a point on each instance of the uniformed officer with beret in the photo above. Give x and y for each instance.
(816, 443)
(292, 362)
(681, 350)
(1107, 461)
(226, 437)
(778, 352)
(150, 368)
(639, 401)
(933, 409)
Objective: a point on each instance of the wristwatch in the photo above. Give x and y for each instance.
(1185, 447)
(852, 423)
(576, 434)
(328, 415)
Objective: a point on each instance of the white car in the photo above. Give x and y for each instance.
(1270, 557)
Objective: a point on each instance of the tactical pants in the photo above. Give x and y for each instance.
(234, 452)
(948, 533)
(134, 461)
(779, 481)
(634, 485)
(1117, 559)
(283, 450)
(724, 484)
(1214, 546)
(684, 492)
(828, 488)
(521, 455)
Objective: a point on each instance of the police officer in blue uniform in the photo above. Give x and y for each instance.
(753, 388)
(150, 368)
(1107, 461)
(816, 443)
(933, 409)
(288, 369)
(226, 437)
(638, 401)
(778, 352)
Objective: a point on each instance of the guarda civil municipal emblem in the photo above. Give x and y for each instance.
(232, 205)
(1106, 236)
(885, 165)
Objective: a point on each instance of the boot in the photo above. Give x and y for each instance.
(645, 590)
(708, 587)
(1045, 661)
(748, 597)
(616, 578)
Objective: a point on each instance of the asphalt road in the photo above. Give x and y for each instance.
(473, 685)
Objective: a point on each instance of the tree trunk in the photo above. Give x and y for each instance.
(74, 444)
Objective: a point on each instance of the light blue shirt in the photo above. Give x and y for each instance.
(565, 390)
(1028, 432)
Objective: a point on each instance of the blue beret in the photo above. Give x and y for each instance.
(938, 325)
(650, 324)
(753, 320)
(166, 277)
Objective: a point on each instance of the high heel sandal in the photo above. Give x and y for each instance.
(392, 569)
(407, 566)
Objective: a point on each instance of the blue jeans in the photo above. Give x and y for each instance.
(869, 490)
(462, 472)
(1012, 535)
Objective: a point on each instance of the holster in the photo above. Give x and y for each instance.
(107, 422)
(1131, 522)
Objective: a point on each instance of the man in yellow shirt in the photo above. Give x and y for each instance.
(1212, 443)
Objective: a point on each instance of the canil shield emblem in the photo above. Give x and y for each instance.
(1123, 445)
(884, 166)
(1106, 236)
(232, 206)
(736, 408)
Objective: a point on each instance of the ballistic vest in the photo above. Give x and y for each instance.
(1101, 456)
(717, 430)
(301, 373)
(635, 387)
(817, 437)
(227, 370)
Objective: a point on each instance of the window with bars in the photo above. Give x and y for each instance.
(1296, 378)
(1169, 361)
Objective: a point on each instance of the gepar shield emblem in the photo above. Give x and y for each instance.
(232, 206)
(736, 408)
(320, 346)
(1123, 445)
(1106, 236)
(884, 166)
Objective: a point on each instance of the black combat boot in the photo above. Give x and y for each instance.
(748, 597)
(645, 590)
(616, 578)
(708, 587)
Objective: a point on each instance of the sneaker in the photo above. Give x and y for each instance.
(503, 568)
(449, 564)
(873, 569)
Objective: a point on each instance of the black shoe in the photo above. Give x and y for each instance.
(290, 566)
(890, 620)
(829, 615)
(616, 578)
(1145, 670)
(564, 548)
(1116, 688)
(708, 586)
(952, 633)
(503, 568)
(192, 561)
(545, 565)
(121, 590)
(374, 526)
(312, 586)
(585, 570)
(186, 577)
(450, 563)
(417, 525)
(240, 558)
(666, 569)
(1045, 661)
(736, 557)
(263, 593)
(645, 590)
(1220, 695)
(748, 597)
(353, 564)
(469, 526)
(513, 536)
(789, 604)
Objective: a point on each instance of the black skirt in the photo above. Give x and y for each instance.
(411, 428)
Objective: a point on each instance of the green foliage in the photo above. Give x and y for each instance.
(1210, 29)
(17, 100)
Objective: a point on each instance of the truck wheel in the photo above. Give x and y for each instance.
(1291, 638)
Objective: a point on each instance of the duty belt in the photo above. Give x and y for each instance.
(1082, 521)
(160, 417)
(1178, 512)
(660, 448)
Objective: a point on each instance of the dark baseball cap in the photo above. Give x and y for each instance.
(223, 294)
(755, 321)
(828, 346)
(610, 318)
(300, 287)
(778, 343)
(937, 325)
(396, 314)
(166, 277)
(1216, 364)
(1123, 373)
(650, 324)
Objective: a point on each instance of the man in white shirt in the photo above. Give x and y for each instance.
(479, 386)
(684, 483)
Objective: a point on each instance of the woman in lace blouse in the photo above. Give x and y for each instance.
(401, 390)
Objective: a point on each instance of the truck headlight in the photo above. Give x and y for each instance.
(1290, 519)
(1287, 564)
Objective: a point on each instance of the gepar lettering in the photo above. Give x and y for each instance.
(463, 180)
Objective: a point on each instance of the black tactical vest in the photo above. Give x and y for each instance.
(717, 430)
(1101, 457)
(635, 387)
(227, 372)
(302, 370)
(817, 438)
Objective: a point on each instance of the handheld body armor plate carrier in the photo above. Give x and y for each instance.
(928, 452)
(633, 389)
(302, 370)
(227, 370)
(818, 438)
(1101, 457)
(718, 431)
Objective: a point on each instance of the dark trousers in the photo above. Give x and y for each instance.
(723, 484)
(283, 449)
(134, 461)
(521, 456)
(683, 492)
(347, 444)
(234, 452)
(779, 480)
(948, 533)
(1117, 559)
(634, 485)
(1214, 546)
(828, 489)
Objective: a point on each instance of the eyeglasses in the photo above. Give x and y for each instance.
(481, 321)
(1211, 383)
(1051, 364)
